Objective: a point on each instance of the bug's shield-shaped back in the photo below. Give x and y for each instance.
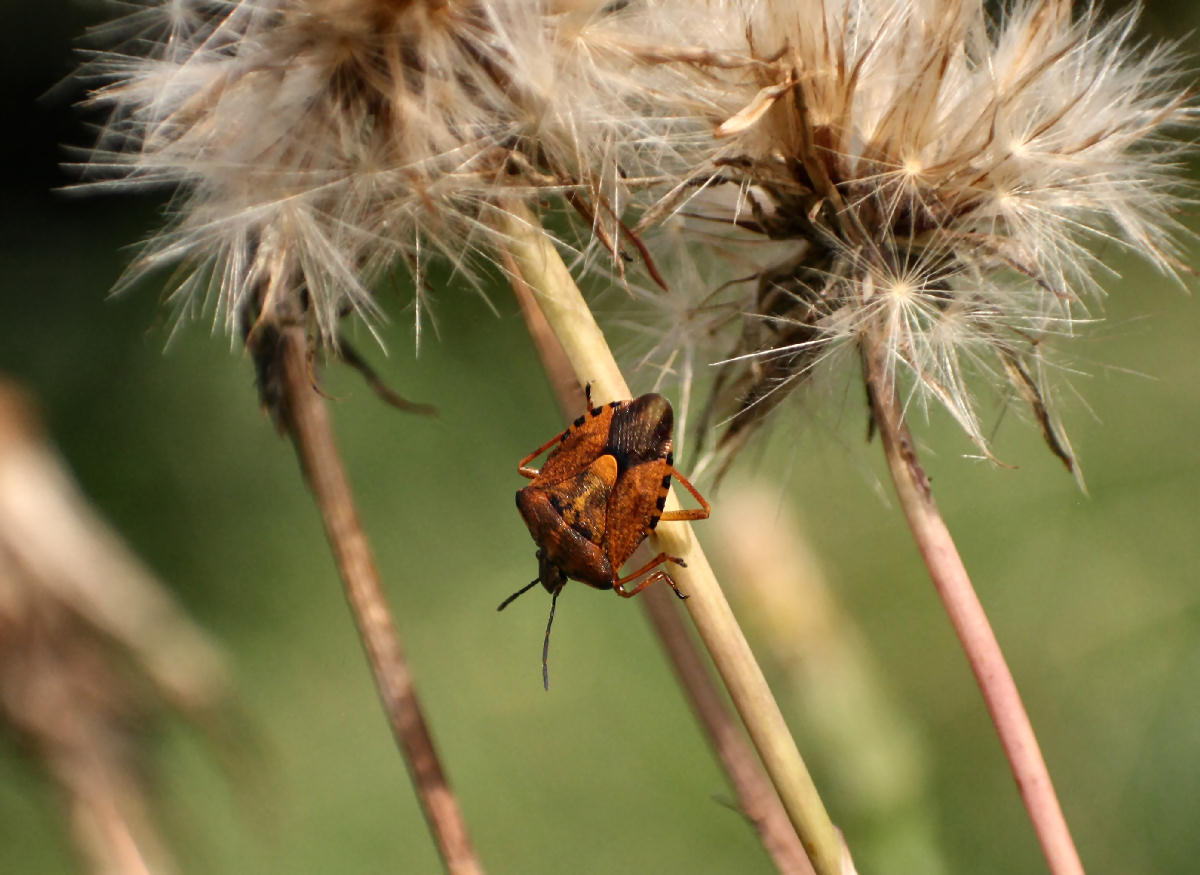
(578, 447)
(632, 432)
(634, 508)
(568, 520)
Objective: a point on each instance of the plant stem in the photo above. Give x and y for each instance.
(591, 359)
(757, 799)
(970, 623)
(304, 415)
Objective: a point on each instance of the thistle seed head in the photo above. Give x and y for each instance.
(939, 181)
(315, 144)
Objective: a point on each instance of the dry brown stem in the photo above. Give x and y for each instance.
(303, 414)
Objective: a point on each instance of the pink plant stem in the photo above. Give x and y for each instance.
(970, 624)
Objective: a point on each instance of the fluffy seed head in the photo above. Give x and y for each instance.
(938, 179)
(314, 144)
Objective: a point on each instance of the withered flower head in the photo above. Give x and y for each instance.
(315, 144)
(934, 179)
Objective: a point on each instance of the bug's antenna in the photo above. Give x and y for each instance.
(546, 644)
(504, 604)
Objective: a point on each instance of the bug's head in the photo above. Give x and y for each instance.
(551, 577)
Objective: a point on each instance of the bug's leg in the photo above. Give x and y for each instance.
(652, 578)
(523, 466)
(695, 513)
(618, 585)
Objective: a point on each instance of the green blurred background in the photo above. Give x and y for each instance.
(1094, 597)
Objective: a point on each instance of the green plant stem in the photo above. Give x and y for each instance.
(971, 624)
(756, 796)
(572, 322)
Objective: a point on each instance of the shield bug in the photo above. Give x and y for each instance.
(598, 495)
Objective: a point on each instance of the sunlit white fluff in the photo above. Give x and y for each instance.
(316, 144)
(945, 179)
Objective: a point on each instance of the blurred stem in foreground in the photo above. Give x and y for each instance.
(571, 321)
(966, 614)
(282, 355)
(92, 646)
(757, 798)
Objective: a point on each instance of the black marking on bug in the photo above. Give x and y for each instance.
(640, 431)
(662, 502)
(577, 423)
(666, 481)
(670, 458)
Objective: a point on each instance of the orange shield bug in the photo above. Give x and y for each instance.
(598, 495)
